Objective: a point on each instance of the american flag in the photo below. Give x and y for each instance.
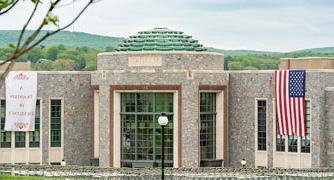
(290, 102)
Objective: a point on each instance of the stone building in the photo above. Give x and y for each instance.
(216, 118)
(307, 63)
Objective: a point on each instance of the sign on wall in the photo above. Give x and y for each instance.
(21, 92)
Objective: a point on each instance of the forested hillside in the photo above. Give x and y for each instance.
(78, 51)
(66, 38)
(58, 58)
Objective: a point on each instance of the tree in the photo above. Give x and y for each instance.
(44, 65)
(24, 45)
(52, 53)
(64, 65)
(35, 54)
(80, 64)
(109, 49)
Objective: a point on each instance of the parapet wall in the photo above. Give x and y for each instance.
(160, 60)
(307, 63)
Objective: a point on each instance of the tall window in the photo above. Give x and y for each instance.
(20, 139)
(34, 136)
(293, 145)
(140, 130)
(55, 123)
(305, 141)
(280, 142)
(208, 126)
(262, 125)
(5, 136)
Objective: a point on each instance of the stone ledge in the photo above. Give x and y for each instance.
(159, 53)
(329, 89)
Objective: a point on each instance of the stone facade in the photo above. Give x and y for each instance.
(307, 63)
(245, 86)
(182, 69)
(328, 128)
(189, 71)
(74, 88)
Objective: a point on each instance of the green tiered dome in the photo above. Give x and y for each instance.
(160, 39)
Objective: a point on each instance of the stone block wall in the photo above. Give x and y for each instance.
(160, 60)
(187, 69)
(246, 86)
(74, 88)
(190, 94)
(329, 128)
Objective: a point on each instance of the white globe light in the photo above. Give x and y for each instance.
(163, 120)
(243, 162)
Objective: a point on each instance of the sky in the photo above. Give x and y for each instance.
(270, 25)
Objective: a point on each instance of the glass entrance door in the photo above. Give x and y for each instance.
(141, 132)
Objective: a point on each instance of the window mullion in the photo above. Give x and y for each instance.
(136, 130)
(153, 143)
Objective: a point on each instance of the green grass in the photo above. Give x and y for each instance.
(7, 177)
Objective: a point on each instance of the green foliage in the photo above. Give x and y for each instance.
(109, 49)
(51, 18)
(57, 58)
(44, 65)
(64, 65)
(249, 62)
(5, 3)
(35, 54)
(253, 60)
(8, 177)
(78, 51)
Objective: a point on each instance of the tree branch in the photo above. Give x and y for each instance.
(37, 31)
(19, 51)
(4, 75)
(26, 25)
(8, 9)
(60, 29)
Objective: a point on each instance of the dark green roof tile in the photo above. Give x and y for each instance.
(160, 39)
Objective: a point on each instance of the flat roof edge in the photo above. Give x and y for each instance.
(157, 53)
(329, 89)
(272, 71)
(308, 58)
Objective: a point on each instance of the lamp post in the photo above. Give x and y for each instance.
(243, 162)
(163, 121)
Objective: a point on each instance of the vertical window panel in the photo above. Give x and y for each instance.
(34, 136)
(305, 146)
(55, 123)
(262, 125)
(208, 126)
(20, 139)
(292, 143)
(280, 141)
(5, 136)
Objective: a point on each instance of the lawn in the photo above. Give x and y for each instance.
(7, 177)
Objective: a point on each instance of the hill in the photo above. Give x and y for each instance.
(238, 52)
(78, 51)
(68, 39)
(98, 42)
(320, 50)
